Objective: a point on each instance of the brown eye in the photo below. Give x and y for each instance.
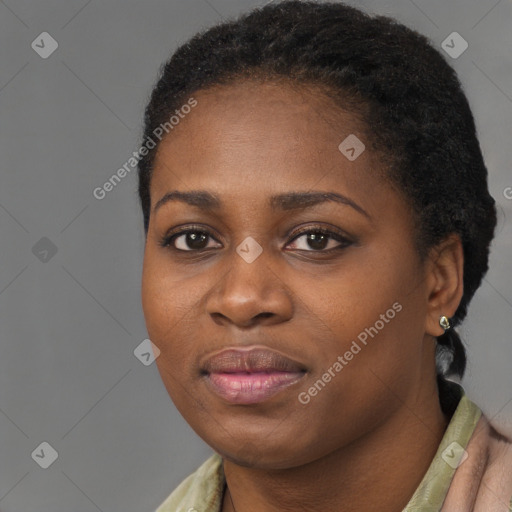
(189, 240)
(319, 240)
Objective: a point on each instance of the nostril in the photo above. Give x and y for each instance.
(264, 315)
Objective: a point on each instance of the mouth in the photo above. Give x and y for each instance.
(250, 376)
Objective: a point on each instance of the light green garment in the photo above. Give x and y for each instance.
(203, 490)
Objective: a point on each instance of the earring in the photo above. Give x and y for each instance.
(444, 323)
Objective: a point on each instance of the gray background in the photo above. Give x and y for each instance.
(69, 325)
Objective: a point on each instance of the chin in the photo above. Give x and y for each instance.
(262, 451)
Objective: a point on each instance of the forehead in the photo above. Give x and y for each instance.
(253, 128)
(260, 120)
(263, 110)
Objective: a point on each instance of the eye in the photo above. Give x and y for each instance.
(311, 239)
(319, 240)
(189, 240)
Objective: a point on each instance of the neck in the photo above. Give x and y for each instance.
(388, 463)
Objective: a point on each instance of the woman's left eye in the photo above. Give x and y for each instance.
(319, 241)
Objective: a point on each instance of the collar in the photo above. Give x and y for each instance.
(451, 453)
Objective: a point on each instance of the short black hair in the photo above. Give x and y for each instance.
(409, 97)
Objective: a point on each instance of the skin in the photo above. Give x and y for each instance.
(376, 425)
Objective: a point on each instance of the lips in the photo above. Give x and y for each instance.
(250, 361)
(249, 376)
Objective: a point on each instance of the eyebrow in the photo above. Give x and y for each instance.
(289, 201)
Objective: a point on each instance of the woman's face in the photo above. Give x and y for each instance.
(289, 324)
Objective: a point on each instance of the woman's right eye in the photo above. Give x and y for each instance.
(188, 241)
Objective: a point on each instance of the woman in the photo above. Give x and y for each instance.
(317, 220)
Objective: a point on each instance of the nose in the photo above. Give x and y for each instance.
(250, 294)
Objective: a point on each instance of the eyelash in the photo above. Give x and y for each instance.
(168, 240)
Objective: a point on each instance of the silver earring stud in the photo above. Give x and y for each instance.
(444, 323)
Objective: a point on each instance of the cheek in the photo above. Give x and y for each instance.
(172, 325)
(166, 295)
(372, 306)
(354, 295)
(167, 306)
(166, 310)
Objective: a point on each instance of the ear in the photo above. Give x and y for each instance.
(445, 286)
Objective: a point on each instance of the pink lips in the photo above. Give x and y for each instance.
(250, 376)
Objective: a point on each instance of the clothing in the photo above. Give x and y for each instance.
(480, 482)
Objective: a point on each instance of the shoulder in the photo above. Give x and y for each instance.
(483, 482)
(203, 487)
